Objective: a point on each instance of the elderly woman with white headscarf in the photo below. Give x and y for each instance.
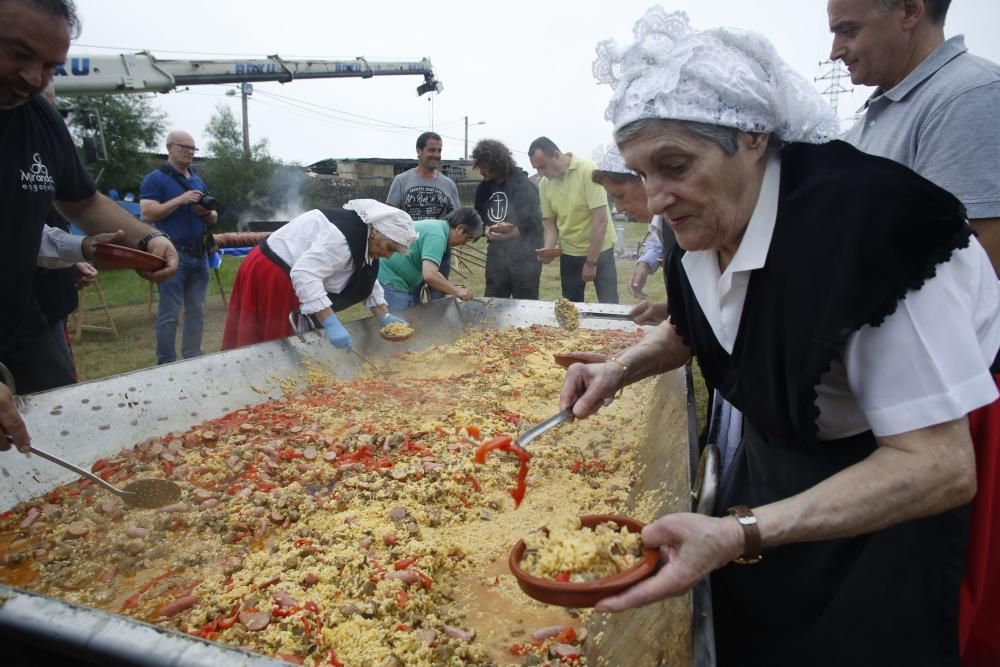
(842, 303)
(321, 262)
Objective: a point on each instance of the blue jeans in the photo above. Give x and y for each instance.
(187, 287)
(397, 299)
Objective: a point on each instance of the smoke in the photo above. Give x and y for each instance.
(282, 200)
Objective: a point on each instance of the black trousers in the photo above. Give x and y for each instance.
(41, 361)
(606, 283)
(510, 276)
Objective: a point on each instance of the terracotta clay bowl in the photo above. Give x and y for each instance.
(109, 256)
(583, 594)
(548, 253)
(570, 358)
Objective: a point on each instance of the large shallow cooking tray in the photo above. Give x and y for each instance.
(94, 419)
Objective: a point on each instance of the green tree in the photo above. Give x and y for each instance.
(237, 180)
(132, 127)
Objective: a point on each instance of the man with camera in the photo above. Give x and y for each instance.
(174, 199)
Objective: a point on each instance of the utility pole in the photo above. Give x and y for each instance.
(834, 75)
(246, 89)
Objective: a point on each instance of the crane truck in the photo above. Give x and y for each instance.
(145, 73)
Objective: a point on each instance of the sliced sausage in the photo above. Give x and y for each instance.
(182, 603)
(541, 634)
(459, 633)
(284, 599)
(30, 517)
(77, 529)
(136, 532)
(255, 621)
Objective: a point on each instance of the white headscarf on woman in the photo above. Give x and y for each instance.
(392, 223)
(724, 76)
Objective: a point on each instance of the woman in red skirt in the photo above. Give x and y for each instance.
(321, 262)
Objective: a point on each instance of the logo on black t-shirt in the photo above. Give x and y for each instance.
(497, 211)
(37, 178)
(424, 202)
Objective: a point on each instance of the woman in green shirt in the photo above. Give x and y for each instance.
(400, 274)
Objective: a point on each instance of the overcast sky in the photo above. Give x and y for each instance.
(520, 68)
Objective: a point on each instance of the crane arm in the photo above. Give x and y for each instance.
(143, 72)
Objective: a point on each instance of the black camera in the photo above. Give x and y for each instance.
(208, 201)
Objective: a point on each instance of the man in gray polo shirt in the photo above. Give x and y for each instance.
(936, 107)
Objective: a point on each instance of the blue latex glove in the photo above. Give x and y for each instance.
(337, 334)
(389, 318)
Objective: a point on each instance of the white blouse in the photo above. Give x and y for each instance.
(320, 259)
(926, 364)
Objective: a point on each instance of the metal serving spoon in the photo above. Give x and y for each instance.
(550, 423)
(147, 493)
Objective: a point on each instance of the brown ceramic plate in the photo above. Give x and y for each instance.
(583, 594)
(109, 256)
(548, 253)
(570, 358)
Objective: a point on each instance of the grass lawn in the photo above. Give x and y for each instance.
(100, 354)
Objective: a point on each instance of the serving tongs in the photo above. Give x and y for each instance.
(550, 423)
(148, 493)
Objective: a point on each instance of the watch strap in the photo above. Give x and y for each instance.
(144, 241)
(752, 542)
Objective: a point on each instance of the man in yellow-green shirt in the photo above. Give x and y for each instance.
(575, 214)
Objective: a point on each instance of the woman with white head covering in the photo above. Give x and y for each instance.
(321, 262)
(840, 301)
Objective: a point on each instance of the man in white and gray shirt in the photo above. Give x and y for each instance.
(935, 108)
(425, 193)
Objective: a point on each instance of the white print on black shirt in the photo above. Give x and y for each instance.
(497, 210)
(424, 202)
(37, 178)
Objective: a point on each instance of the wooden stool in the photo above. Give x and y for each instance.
(79, 326)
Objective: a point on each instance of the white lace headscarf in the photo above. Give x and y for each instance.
(612, 161)
(724, 76)
(392, 223)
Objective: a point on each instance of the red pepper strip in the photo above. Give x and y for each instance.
(472, 431)
(505, 443)
(471, 480)
(265, 486)
(402, 599)
(331, 658)
(567, 636)
(303, 542)
(563, 576)
(306, 625)
(99, 465)
(403, 627)
(226, 622)
(168, 469)
(576, 465)
(282, 612)
(311, 606)
(425, 579)
(405, 563)
(499, 442)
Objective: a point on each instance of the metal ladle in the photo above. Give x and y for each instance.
(147, 493)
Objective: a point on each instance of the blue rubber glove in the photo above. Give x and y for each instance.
(389, 318)
(337, 334)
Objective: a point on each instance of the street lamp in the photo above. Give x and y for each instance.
(481, 122)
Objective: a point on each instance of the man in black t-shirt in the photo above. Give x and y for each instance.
(39, 167)
(507, 196)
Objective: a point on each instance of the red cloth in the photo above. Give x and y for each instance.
(979, 611)
(261, 299)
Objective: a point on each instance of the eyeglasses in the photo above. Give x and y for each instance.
(186, 147)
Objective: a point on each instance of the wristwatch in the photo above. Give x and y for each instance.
(592, 265)
(144, 241)
(752, 542)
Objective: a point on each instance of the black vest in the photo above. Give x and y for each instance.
(854, 233)
(359, 286)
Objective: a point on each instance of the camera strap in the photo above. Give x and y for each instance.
(181, 181)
